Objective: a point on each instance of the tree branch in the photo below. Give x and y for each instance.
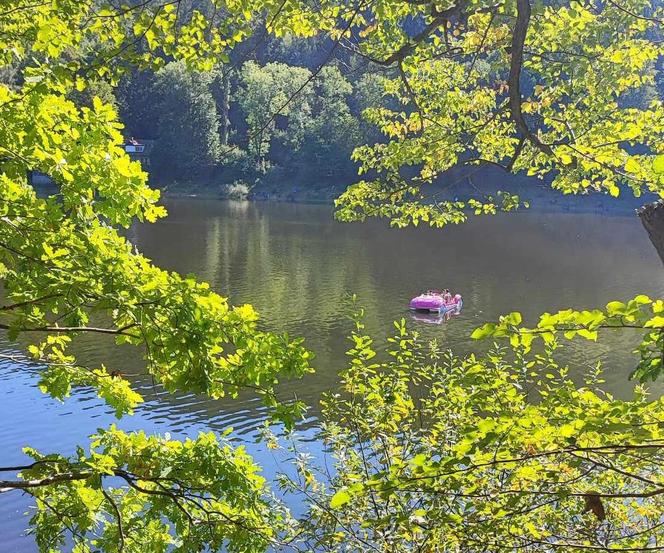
(514, 79)
(28, 302)
(8, 485)
(118, 517)
(65, 329)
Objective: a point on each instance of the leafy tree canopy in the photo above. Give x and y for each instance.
(498, 452)
(187, 119)
(67, 272)
(267, 91)
(314, 120)
(537, 88)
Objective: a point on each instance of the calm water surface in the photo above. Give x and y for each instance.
(297, 267)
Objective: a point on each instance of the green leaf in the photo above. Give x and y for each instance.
(655, 322)
(658, 164)
(339, 499)
(484, 331)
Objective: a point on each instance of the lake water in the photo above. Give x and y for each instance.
(297, 266)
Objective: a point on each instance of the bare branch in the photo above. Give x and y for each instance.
(118, 517)
(8, 485)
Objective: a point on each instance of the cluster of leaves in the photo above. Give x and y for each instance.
(500, 452)
(459, 99)
(99, 38)
(63, 261)
(401, 201)
(432, 451)
(67, 271)
(135, 493)
(641, 313)
(64, 264)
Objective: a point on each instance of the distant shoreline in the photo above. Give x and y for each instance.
(452, 186)
(615, 207)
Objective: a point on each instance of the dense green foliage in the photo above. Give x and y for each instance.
(432, 452)
(313, 133)
(579, 73)
(499, 452)
(142, 482)
(265, 91)
(539, 89)
(66, 272)
(187, 119)
(640, 313)
(254, 123)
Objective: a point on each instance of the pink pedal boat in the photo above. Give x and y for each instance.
(434, 301)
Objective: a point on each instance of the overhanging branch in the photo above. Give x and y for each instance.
(8, 485)
(514, 80)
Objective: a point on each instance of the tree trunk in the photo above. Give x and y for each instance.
(652, 218)
(519, 34)
(225, 107)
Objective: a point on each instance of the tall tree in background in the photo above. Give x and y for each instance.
(136, 104)
(189, 141)
(331, 132)
(311, 122)
(224, 103)
(265, 94)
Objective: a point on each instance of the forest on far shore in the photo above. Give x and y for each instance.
(281, 110)
(280, 119)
